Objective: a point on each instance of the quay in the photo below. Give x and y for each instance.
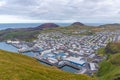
(59, 66)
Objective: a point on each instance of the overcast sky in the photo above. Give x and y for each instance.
(87, 11)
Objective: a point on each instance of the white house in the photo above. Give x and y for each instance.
(76, 60)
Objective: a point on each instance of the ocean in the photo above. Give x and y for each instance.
(27, 25)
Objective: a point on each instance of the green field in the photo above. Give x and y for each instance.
(20, 67)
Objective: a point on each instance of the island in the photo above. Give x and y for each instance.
(73, 46)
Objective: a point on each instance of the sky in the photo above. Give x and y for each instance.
(60, 11)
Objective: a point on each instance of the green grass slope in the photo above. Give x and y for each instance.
(19, 67)
(110, 68)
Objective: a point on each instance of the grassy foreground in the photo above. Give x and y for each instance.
(110, 69)
(19, 67)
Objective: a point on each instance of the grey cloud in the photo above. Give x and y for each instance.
(62, 9)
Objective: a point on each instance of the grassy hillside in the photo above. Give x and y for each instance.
(110, 68)
(22, 34)
(28, 34)
(19, 67)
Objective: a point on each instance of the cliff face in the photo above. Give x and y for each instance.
(77, 24)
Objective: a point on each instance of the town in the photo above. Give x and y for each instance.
(79, 52)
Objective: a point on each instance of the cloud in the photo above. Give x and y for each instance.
(2, 3)
(62, 10)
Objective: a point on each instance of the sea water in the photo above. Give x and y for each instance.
(24, 25)
(27, 25)
(8, 47)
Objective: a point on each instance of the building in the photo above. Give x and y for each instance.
(92, 66)
(79, 61)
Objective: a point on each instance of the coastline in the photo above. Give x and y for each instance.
(32, 54)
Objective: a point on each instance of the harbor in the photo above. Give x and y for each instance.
(76, 52)
(9, 47)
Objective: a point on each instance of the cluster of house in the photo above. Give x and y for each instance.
(80, 51)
